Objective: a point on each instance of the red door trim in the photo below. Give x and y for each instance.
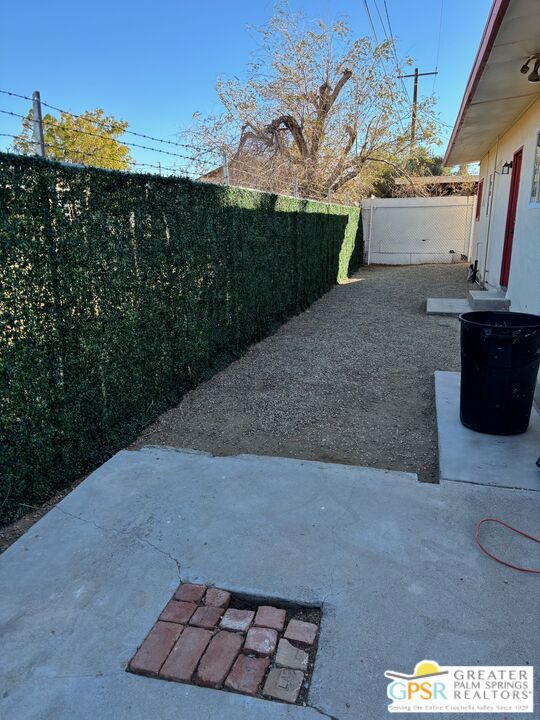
(511, 217)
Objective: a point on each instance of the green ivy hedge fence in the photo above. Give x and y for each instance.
(119, 292)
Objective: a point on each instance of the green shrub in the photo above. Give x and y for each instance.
(119, 292)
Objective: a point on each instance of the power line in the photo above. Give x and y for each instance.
(380, 19)
(438, 46)
(438, 120)
(415, 75)
(431, 115)
(112, 125)
(392, 46)
(371, 22)
(387, 13)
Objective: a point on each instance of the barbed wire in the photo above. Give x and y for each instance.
(160, 167)
(108, 138)
(251, 178)
(262, 173)
(82, 153)
(104, 123)
(96, 154)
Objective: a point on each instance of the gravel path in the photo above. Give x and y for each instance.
(349, 381)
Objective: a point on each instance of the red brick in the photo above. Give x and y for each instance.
(270, 617)
(217, 598)
(218, 658)
(261, 641)
(189, 592)
(237, 619)
(153, 652)
(303, 632)
(206, 617)
(177, 612)
(181, 663)
(247, 674)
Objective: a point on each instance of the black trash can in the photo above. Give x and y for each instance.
(500, 355)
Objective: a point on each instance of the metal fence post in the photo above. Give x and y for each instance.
(225, 169)
(370, 233)
(296, 187)
(37, 125)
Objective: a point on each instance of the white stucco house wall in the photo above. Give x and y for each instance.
(498, 124)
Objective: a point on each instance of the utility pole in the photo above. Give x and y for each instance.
(415, 75)
(37, 125)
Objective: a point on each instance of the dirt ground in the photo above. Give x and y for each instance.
(348, 381)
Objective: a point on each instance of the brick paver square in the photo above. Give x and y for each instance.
(157, 645)
(247, 674)
(292, 657)
(270, 617)
(177, 611)
(261, 641)
(217, 598)
(219, 658)
(283, 684)
(181, 663)
(190, 593)
(302, 632)
(206, 617)
(200, 639)
(238, 620)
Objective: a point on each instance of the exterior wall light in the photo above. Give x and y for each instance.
(505, 170)
(524, 69)
(534, 76)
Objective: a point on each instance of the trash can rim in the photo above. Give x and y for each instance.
(469, 317)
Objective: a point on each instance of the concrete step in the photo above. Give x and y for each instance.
(447, 306)
(488, 300)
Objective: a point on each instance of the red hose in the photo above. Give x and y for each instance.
(510, 527)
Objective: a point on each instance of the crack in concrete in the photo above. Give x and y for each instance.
(143, 541)
(91, 676)
(164, 552)
(17, 679)
(346, 510)
(322, 712)
(149, 544)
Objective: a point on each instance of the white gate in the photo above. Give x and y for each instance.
(405, 231)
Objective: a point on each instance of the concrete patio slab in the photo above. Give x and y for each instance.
(468, 456)
(447, 306)
(392, 561)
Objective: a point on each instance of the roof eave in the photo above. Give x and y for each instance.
(496, 15)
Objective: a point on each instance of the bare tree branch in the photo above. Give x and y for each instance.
(293, 127)
(311, 97)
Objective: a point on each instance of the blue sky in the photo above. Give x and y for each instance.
(155, 63)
